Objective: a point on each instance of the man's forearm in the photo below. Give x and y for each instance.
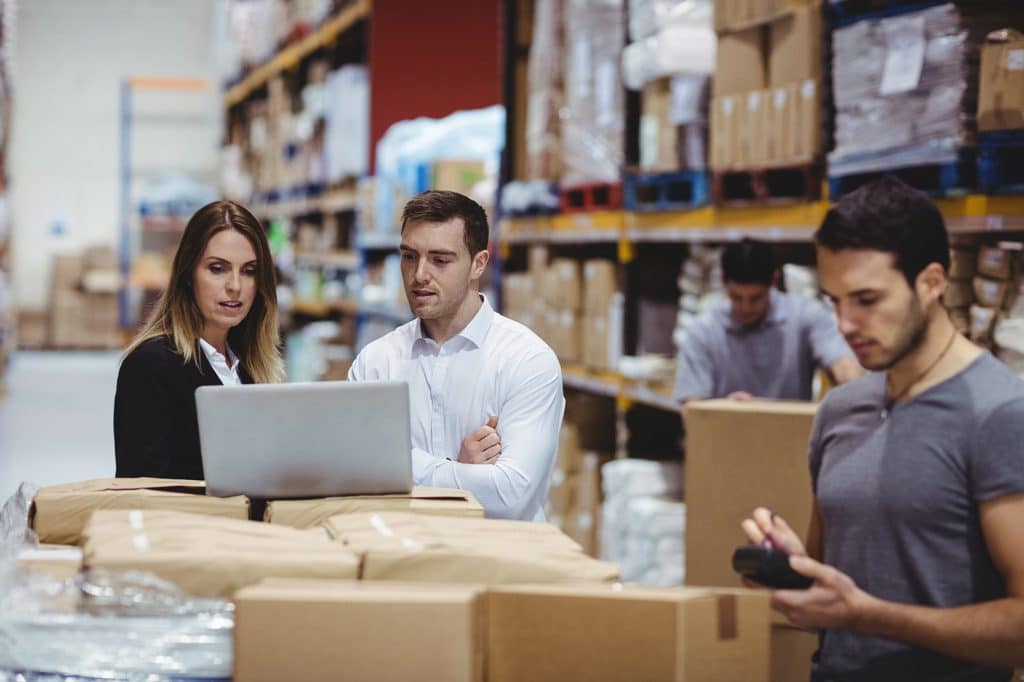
(990, 633)
(500, 488)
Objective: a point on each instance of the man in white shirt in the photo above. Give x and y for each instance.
(485, 391)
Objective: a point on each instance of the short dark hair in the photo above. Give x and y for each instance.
(891, 216)
(748, 262)
(440, 206)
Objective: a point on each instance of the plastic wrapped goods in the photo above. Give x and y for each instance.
(647, 17)
(111, 626)
(544, 93)
(593, 118)
(905, 87)
(347, 136)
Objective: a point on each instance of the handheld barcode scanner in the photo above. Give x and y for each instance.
(768, 565)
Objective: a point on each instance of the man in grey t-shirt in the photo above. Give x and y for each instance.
(763, 343)
(916, 543)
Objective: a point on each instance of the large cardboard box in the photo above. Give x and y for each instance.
(659, 141)
(56, 561)
(792, 649)
(795, 51)
(1001, 92)
(60, 512)
(741, 455)
(457, 175)
(401, 546)
(599, 285)
(808, 136)
(753, 136)
(309, 513)
(725, 132)
(319, 630)
(740, 63)
(564, 284)
(779, 125)
(209, 556)
(609, 633)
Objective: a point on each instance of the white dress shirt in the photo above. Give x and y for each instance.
(225, 367)
(493, 367)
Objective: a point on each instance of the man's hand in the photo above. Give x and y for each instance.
(742, 396)
(833, 601)
(483, 446)
(765, 525)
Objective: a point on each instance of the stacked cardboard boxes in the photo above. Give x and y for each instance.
(602, 315)
(731, 468)
(83, 310)
(767, 87)
(996, 293)
(1001, 92)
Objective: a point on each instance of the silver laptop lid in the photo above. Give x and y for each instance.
(305, 439)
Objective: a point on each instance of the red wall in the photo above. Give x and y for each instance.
(432, 57)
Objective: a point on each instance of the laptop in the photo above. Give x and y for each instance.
(299, 440)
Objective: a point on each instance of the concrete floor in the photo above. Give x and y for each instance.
(56, 418)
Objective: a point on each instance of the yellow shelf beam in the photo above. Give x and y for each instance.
(289, 57)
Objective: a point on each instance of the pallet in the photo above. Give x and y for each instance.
(768, 186)
(595, 196)
(671, 191)
(956, 178)
(845, 12)
(1001, 162)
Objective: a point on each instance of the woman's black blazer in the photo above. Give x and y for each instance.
(155, 428)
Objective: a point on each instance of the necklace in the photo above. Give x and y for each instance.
(890, 403)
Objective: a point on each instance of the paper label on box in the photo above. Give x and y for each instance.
(728, 105)
(808, 89)
(904, 58)
(780, 99)
(381, 526)
(141, 542)
(1015, 60)
(135, 519)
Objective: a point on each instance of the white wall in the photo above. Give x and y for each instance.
(70, 59)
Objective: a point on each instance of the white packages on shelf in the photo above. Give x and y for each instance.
(593, 126)
(647, 17)
(683, 43)
(545, 95)
(643, 521)
(347, 133)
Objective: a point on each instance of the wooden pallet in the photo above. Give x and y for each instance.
(671, 191)
(957, 178)
(1001, 162)
(594, 196)
(795, 183)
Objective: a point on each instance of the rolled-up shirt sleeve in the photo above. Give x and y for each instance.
(516, 486)
(694, 379)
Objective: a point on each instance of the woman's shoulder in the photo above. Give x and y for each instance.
(153, 352)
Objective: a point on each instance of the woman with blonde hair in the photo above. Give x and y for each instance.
(215, 324)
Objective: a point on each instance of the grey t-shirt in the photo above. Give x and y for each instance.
(775, 358)
(899, 499)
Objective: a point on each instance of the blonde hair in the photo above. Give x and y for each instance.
(256, 340)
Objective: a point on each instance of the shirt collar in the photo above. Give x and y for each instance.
(231, 360)
(778, 313)
(474, 332)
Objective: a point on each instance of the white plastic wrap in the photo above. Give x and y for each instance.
(594, 114)
(111, 626)
(655, 542)
(675, 49)
(544, 93)
(647, 17)
(347, 135)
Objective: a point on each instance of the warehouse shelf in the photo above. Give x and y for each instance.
(795, 223)
(289, 57)
(659, 397)
(614, 385)
(333, 201)
(311, 307)
(378, 241)
(345, 260)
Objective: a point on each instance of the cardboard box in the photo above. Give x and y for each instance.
(740, 63)
(309, 513)
(538, 634)
(990, 293)
(564, 284)
(418, 547)
(56, 561)
(600, 283)
(959, 293)
(1001, 90)
(60, 512)
(209, 556)
(595, 341)
(582, 519)
(457, 175)
(792, 649)
(658, 135)
(753, 140)
(320, 630)
(997, 263)
(795, 51)
(780, 125)
(963, 263)
(808, 137)
(741, 455)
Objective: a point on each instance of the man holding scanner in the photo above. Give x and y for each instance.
(916, 540)
(485, 392)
